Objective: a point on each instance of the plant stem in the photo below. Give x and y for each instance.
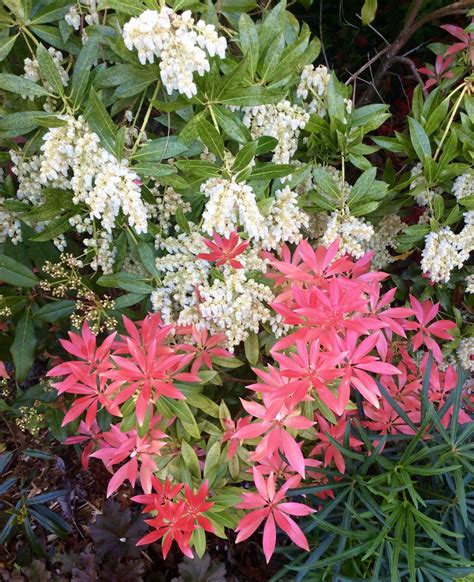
(450, 121)
(145, 119)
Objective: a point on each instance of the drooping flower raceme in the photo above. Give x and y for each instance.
(313, 87)
(354, 234)
(282, 121)
(73, 157)
(178, 41)
(231, 204)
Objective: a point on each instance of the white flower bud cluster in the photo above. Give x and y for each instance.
(353, 233)
(27, 172)
(32, 71)
(284, 220)
(314, 83)
(229, 205)
(133, 265)
(178, 41)
(182, 273)
(167, 203)
(282, 121)
(470, 284)
(465, 353)
(463, 186)
(445, 251)
(10, 226)
(104, 251)
(72, 156)
(235, 305)
(466, 236)
(385, 237)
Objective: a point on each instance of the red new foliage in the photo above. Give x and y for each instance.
(225, 250)
(178, 515)
(345, 348)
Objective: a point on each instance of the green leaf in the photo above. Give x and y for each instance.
(199, 541)
(250, 96)
(251, 348)
(212, 458)
(6, 45)
(50, 12)
(237, 6)
(21, 86)
(190, 459)
(148, 259)
(14, 273)
(52, 35)
(129, 299)
(24, 346)
(180, 409)
(419, 140)
(182, 221)
(153, 170)
(211, 138)
(200, 168)
(56, 310)
(129, 7)
(49, 70)
(249, 41)
(368, 11)
(160, 149)
(54, 229)
(227, 362)
(273, 25)
(128, 281)
(244, 157)
(100, 121)
(84, 62)
(231, 124)
(271, 171)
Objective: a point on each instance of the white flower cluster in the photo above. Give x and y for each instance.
(182, 274)
(445, 251)
(463, 186)
(178, 42)
(10, 226)
(440, 255)
(32, 71)
(465, 353)
(385, 237)
(229, 205)
(28, 175)
(314, 82)
(235, 305)
(353, 233)
(284, 220)
(423, 195)
(282, 121)
(73, 158)
(104, 252)
(73, 17)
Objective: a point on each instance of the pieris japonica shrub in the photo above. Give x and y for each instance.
(346, 355)
(192, 197)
